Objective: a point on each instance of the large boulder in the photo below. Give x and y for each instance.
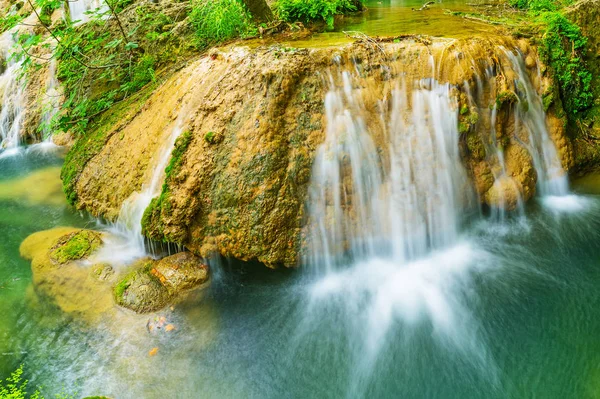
(61, 275)
(251, 121)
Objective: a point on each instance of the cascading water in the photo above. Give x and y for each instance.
(79, 10)
(386, 208)
(127, 241)
(386, 212)
(11, 92)
(552, 179)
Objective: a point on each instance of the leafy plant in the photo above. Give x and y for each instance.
(562, 46)
(312, 10)
(220, 20)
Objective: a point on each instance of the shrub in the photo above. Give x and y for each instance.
(562, 47)
(311, 10)
(217, 21)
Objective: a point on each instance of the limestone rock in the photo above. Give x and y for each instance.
(154, 284)
(181, 271)
(59, 276)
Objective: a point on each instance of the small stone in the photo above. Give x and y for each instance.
(530, 62)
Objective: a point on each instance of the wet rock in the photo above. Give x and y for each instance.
(180, 272)
(154, 284)
(61, 279)
(240, 185)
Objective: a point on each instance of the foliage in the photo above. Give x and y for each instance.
(15, 387)
(562, 47)
(220, 20)
(311, 10)
(9, 22)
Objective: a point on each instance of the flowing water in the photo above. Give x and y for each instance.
(11, 92)
(409, 291)
(512, 316)
(80, 11)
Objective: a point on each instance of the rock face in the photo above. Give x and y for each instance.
(154, 284)
(586, 14)
(252, 120)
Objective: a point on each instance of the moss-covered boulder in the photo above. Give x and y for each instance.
(75, 246)
(154, 284)
(59, 276)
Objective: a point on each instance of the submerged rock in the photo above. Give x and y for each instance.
(61, 278)
(154, 284)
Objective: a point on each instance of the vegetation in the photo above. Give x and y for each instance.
(15, 387)
(217, 21)
(76, 246)
(161, 202)
(306, 11)
(562, 47)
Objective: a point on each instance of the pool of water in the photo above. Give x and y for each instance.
(401, 17)
(511, 311)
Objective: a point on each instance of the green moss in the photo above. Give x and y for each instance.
(475, 146)
(464, 109)
(506, 97)
(91, 142)
(161, 205)
(75, 246)
(209, 137)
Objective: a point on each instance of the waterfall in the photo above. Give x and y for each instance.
(12, 94)
(552, 179)
(126, 241)
(387, 204)
(79, 9)
(401, 199)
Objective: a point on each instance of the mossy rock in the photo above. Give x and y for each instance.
(154, 284)
(506, 97)
(74, 246)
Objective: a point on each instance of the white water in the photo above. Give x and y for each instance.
(552, 178)
(404, 209)
(79, 10)
(386, 210)
(11, 92)
(386, 229)
(126, 241)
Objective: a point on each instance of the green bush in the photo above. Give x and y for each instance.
(562, 46)
(217, 21)
(313, 10)
(15, 387)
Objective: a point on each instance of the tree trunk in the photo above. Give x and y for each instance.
(259, 10)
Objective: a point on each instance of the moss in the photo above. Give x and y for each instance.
(90, 143)
(506, 97)
(161, 205)
(464, 109)
(209, 137)
(475, 146)
(77, 245)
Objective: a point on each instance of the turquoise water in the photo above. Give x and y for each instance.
(522, 322)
